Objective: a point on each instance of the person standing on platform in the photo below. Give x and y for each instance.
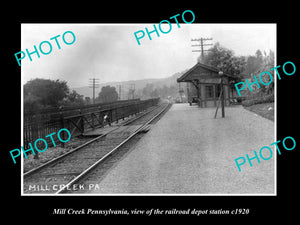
(107, 119)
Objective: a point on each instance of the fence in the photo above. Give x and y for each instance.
(78, 119)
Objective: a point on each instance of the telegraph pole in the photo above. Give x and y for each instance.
(94, 83)
(201, 40)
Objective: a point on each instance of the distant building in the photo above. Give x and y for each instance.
(204, 85)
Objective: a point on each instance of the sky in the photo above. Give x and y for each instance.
(110, 52)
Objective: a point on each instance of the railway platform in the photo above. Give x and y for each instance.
(189, 152)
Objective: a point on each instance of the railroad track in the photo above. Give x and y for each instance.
(57, 175)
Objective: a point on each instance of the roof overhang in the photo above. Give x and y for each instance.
(202, 73)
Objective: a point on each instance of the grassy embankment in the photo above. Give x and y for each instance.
(265, 110)
(261, 105)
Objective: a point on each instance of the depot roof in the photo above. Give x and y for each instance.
(202, 72)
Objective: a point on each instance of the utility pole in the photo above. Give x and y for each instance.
(94, 83)
(201, 40)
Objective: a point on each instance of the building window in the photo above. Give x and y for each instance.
(209, 91)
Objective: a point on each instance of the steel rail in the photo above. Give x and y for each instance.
(89, 169)
(52, 161)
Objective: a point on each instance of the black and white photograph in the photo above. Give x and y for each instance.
(144, 109)
(147, 111)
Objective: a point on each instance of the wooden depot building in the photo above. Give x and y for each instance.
(204, 85)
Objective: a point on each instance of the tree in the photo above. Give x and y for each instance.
(41, 93)
(252, 65)
(224, 59)
(31, 102)
(154, 93)
(266, 63)
(147, 90)
(74, 99)
(259, 55)
(107, 94)
(257, 64)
